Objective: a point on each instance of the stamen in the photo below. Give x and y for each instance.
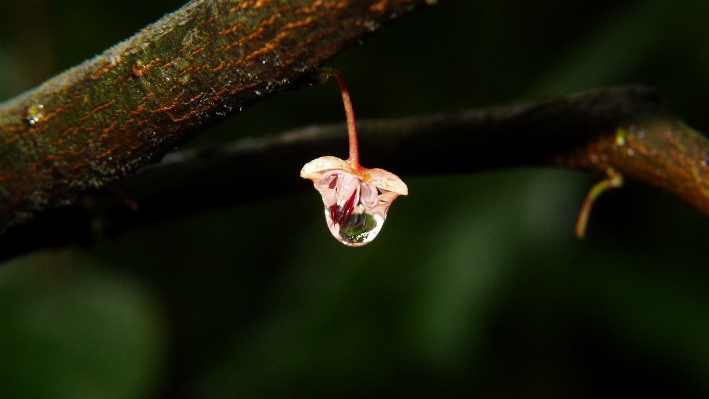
(333, 183)
(348, 208)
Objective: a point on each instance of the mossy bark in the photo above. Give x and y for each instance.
(113, 114)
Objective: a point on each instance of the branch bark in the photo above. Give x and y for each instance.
(628, 129)
(115, 113)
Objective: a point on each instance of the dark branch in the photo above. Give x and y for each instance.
(628, 129)
(115, 113)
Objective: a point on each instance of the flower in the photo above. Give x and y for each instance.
(356, 199)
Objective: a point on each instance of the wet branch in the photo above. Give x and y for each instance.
(628, 129)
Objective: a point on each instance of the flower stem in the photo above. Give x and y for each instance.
(349, 113)
(351, 124)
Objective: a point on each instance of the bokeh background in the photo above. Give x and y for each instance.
(476, 286)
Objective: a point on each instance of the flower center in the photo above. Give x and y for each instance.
(340, 214)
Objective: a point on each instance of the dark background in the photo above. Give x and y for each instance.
(475, 287)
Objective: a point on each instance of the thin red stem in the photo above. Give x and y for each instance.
(351, 124)
(614, 180)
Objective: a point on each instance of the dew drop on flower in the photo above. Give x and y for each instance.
(358, 228)
(356, 204)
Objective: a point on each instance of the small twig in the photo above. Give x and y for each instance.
(614, 180)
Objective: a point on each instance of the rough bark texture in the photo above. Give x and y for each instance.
(628, 129)
(113, 114)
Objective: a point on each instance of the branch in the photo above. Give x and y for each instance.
(628, 129)
(115, 113)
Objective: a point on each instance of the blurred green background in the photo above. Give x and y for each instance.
(476, 285)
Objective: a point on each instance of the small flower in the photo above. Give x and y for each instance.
(356, 198)
(356, 201)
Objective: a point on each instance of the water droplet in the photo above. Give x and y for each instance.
(620, 135)
(34, 113)
(371, 25)
(360, 228)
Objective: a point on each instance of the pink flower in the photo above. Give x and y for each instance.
(356, 200)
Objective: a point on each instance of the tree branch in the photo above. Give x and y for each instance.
(628, 129)
(113, 114)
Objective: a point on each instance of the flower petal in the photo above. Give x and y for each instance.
(368, 195)
(388, 181)
(314, 168)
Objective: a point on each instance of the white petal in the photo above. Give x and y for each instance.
(386, 181)
(368, 195)
(314, 168)
(347, 184)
